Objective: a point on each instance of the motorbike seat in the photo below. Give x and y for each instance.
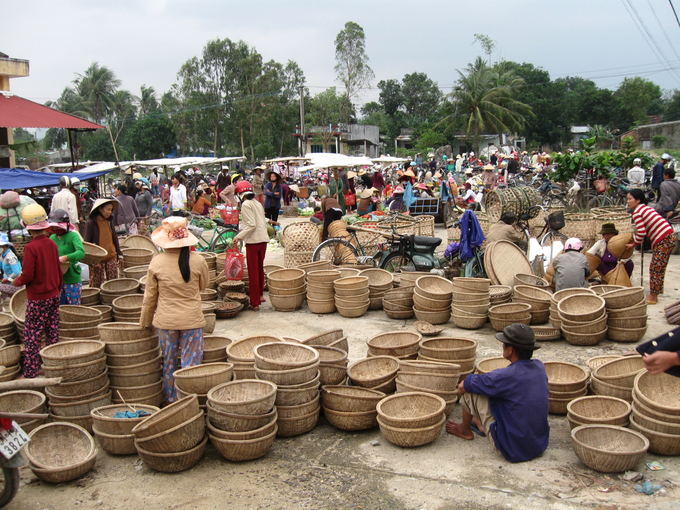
(427, 241)
(219, 221)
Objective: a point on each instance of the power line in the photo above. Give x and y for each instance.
(662, 29)
(676, 14)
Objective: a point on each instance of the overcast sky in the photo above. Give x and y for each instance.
(146, 41)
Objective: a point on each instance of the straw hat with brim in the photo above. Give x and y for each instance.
(362, 172)
(409, 173)
(268, 175)
(609, 228)
(489, 167)
(173, 233)
(518, 335)
(260, 168)
(351, 175)
(422, 186)
(295, 188)
(103, 201)
(367, 193)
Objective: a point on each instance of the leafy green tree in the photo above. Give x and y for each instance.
(352, 69)
(602, 135)
(147, 101)
(326, 109)
(69, 102)
(487, 44)
(391, 97)
(673, 108)
(638, 96)
(97, 87)
(485, 100)
(151, 137)
(421, 97)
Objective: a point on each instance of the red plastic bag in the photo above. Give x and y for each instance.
(233, 265)
(230, 215)
(350, 199)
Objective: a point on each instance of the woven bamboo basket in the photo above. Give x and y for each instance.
(592, 327)
(132, 347)
(239, 450)
(507, 311)
(374, 371)
(532, 294)
(321, 306)
(121, 332)
(81, 387)
(62, 475)
(350, 399)
(398, 314)
(584, 339)
(394, 343)
(637, 310)
(291, 376)
(660, 392)
(22, 401)
(249, 396)
(482, 309)
(582, 226)
(599, 409)
(137, 256)
(465, 320)
(628, 322)
(89, 296)
(411, 437)
(284, 356)
(10, 355)
(653, 424)
(59, 446)
(125, 360)
(104, 421)
(563, 376)
(651, 413)
(530, 280)
(434, 287)
(351, 421)
(287, 303)
(120, 286)
(659, 442)
(65, 326)
(448, 348)
(425, 303)
(623, 298)
(231, 422)
(155, 400)
(432, 367)
(116, 444)
(487, 365)
(172, 462)
(559, 405)
(352, 311)
(601, 289)
(135, 393)
(289, 427)
(581, 308)
(72, 353)
(215, 348)
(243, 350)
(600, 387)
(435, 382)
(81, 407)
(142, 368)
(286, 278)
(10, 373)
(182, 437)
(621, 371)
(242, 436)
(299, 410)
(77, 372)
(93, 254)
(608, 448)
(71, 399)
(561, 294)
(78, 313)
(201, 378)
(322, 276)
(626, 334)
(176, 413)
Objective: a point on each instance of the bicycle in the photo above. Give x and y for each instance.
(222, 236)
(550, 241)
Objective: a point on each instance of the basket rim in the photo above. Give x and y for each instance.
(66, 424)
(623, 430)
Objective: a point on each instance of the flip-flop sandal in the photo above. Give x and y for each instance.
(651, 301)
(475, 429)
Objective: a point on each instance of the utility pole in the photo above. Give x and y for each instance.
(303, 143)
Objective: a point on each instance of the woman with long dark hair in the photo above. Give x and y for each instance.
(99, 230)
(650, 223)
(273, 192)
(172, 299)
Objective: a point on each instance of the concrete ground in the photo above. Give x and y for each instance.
(331, 469)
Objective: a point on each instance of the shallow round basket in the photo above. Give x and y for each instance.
(350, 399)
(239, 450)
(448, 348)
(428, 304)
(17, 305)
(378, 277)
(132, 347)
(433, 317)
(76, 372)
(351, 421)
(468, 297)
(431, 367)
(201, 378)
(287, 303)
(563, 376)
(180, 438)
(584, 339)
(581, 307)
(287, 292)
(374, 371)
(601, 289)
(80, 387)
(299, 410)
(395, 343)
(351, 283)
(22, 401)
(507, 311)
(352, 311)
(284, 356)
(408, 438)
(659, 442)
(621, 371)
(10, 355)
(231, 422)
(59, 446)
(122, 332)
(626, 334)
(243, 350)
(131, 303)
(321, 306)
(399, 314)
(531, 280)
(168, 417)
(623, 298)
(608, 448)
(172, 462)
(599, 387)
(93, 254)
(546, 333)
(427, 329)
(487, 365)
(80, 407)
(89, 296)
(643, 419)
(468, 321)
(323, 276)
(599, 409)
(286, 278)
(104, 421)
(143, 368)
(62, 475)
(292, 376)
(473, 284)
(78, 313)
(434, 287)
(116, 444)
(561, 294)
(660, 392)
(501, 324)
(637, 310)
(434, 382)
(289, 427)
(592, 327)
(627, 322)
(72, 353)
(126, 360)
(481, 309)
(120, 286)
(245, 397)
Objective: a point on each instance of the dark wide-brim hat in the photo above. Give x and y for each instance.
(609, 228)
(268, 175)
(518, 335)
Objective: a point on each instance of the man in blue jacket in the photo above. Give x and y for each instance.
(657, 174)
(508, 405)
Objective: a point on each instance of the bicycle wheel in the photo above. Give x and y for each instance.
(10, 485)
(474, 267)
(338, 251)
(552, 243)
(598, 201)
(396, 262)
(554, 201)
(223, 241)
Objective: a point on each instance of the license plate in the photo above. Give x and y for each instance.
(12, 441)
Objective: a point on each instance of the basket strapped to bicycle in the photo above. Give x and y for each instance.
(556, 220)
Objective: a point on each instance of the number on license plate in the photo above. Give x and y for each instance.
(12, 441)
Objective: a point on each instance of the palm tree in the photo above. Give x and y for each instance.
(97, 87)
(147, 101)
(484, 99)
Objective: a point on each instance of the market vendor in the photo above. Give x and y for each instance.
(508, 405)
(71, 250)
(201, 204)
(330, 207)
(367, 201)
(503, 230)
(11, 267)
(571, 267)
(489, 177)
(396, 201)
(608, 262)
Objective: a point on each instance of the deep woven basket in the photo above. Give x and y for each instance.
(247, 397)
(563, 376)
(581, 308)
(372, 372)
(608, 448)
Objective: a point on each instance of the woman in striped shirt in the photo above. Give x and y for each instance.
(650, 224)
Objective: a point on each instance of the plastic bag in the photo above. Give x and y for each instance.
(230, 215)
(233, 265)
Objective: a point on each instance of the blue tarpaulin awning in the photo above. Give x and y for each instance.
(16, 178)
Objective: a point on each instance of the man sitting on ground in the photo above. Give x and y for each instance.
(508, 405)
(503, 230)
